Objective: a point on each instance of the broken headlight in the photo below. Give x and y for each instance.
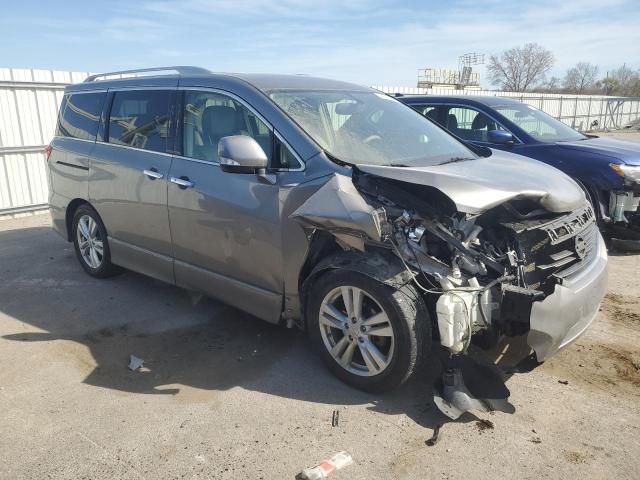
(631, 173)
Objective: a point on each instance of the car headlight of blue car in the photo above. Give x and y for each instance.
(631, 173)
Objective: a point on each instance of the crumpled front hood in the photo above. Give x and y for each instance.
(625, 151)
(478, 185)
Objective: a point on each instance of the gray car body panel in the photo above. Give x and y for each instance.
(133, 207)
(245, 240)
(480, 184)
(68, 177)
(561, 318)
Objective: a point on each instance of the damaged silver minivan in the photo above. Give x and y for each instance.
(328, 206)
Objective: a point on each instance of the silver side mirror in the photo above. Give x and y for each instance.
(241, 154)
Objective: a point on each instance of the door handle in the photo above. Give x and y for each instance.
(182, 182)
(153, 174)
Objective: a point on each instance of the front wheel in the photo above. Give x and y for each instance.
(370, 335)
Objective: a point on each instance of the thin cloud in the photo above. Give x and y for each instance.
(368, 42)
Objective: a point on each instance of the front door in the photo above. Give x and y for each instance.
(225, 227)
(128, 183)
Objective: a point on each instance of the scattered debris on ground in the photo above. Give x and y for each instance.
(326, 467)
(135, 363)
(335, 419)
(576, 457)
(484, 424)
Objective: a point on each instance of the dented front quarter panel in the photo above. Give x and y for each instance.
(339, 208)
(295, 239)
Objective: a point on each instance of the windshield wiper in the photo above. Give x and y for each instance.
(456, 159)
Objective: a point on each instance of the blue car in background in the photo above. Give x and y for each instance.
(608, 169)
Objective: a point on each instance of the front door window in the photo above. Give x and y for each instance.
(209, 116)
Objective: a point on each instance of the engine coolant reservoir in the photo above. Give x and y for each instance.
(453, 319)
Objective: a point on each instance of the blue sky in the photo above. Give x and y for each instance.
(374, 42)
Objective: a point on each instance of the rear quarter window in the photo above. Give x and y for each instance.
(80, 115)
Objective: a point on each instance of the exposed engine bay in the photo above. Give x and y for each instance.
(487, 268)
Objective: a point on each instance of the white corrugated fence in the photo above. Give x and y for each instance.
(29, 101)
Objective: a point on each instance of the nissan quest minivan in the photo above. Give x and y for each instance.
(327, 206)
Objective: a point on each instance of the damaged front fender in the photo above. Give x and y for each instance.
(338, 208)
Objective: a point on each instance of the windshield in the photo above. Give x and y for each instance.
(539, 125)
(370, 128)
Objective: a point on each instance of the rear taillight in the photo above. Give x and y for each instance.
(47, 152)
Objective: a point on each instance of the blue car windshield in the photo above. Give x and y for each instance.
(539, 125)
(369, 128)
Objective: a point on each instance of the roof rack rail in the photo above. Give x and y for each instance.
(181, 70)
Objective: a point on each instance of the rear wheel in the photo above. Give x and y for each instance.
(370, 335)
(91, 244)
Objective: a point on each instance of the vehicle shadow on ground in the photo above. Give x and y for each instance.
(185, 341)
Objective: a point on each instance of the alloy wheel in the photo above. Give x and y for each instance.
(356, 331)
(90, 242)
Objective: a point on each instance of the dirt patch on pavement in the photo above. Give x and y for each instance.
(602, 366)
(621, 308)
(600, 362)
(626, 364)
(576, 457)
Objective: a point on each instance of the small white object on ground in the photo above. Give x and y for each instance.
(135, 363)
(326, 467)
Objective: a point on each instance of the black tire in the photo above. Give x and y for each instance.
(592, 199)
(105, 268)
(409, 319)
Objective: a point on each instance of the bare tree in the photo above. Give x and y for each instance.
(551, 85)
(581, 77)
(520, 68)
(608, 85)
(628, 81)
(622, 81)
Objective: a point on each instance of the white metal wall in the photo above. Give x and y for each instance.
(577, 111)
(29, 101)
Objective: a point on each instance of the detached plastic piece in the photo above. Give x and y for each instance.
(485, 390)
(455, 399)
(326, 467)
(135, 363)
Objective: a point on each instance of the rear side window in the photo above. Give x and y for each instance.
(80, 115)
(140, 119)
